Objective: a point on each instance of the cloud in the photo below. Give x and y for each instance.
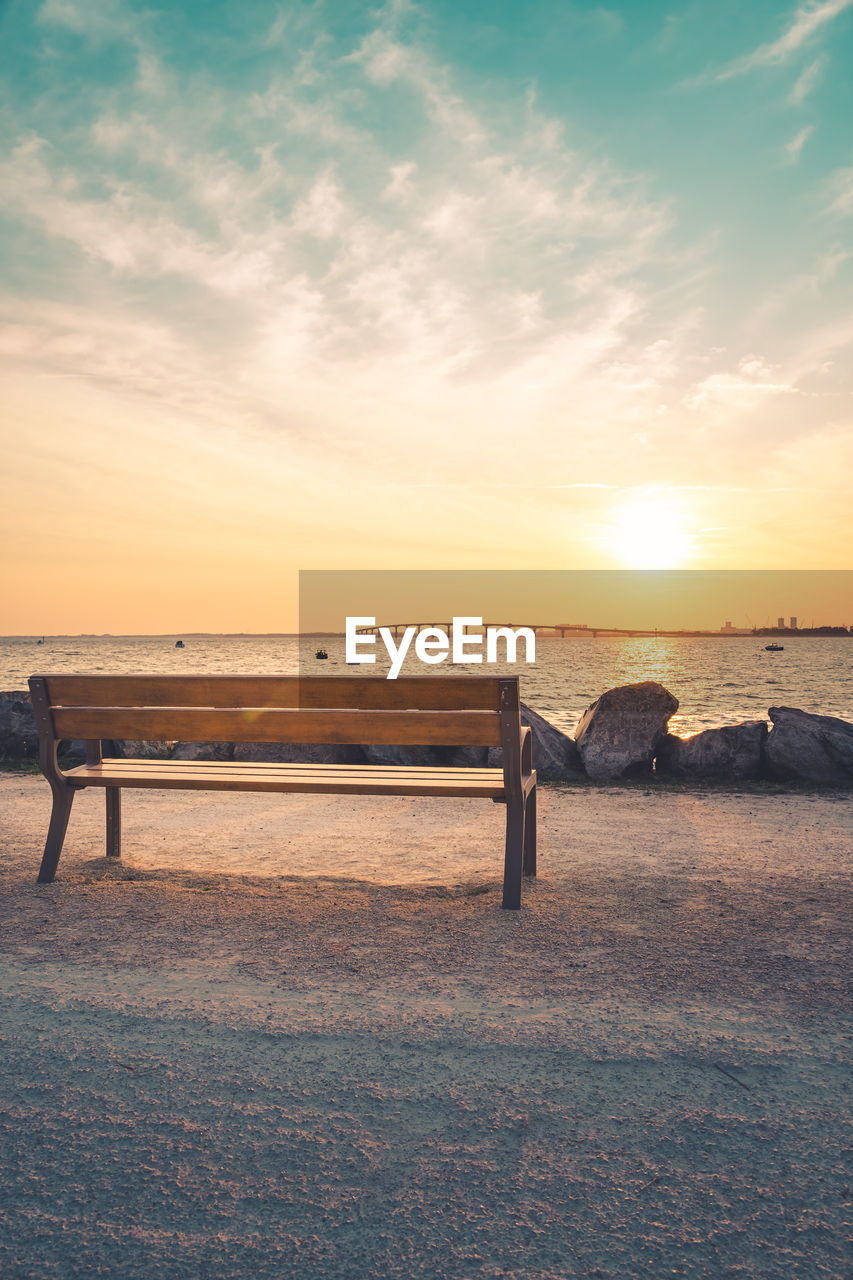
(95, 20)
(752, 382)
(794, 148)
(489, 247)
(387, 61)
(400, 186)
(62, 13)
(807, 81)
(808, 19)
(841, 193)
(322, 210)
(261, 255)
(150, 76)
(127, 230)
(400, 299)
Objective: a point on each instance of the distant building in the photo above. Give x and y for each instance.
(793, 624)
(780, 623)
(729, 630)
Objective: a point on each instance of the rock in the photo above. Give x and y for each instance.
(18, 737)
(387, 753)
(465, 757)
(618, 736)
(437, 757)
(809, 747)
(133, 749)
(555, 755)
(732, 752)
(197, 750)
(296, 753)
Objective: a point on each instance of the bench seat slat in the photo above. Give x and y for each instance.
(262, 724)
(129, 765)
(329, 779)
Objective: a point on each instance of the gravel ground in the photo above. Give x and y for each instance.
(338, 1057)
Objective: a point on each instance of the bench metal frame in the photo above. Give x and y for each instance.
(446, 711)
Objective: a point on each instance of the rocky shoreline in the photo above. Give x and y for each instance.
(624, 734)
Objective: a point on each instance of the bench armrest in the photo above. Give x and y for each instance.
(526, 751)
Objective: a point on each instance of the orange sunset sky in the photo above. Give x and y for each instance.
(418, 286)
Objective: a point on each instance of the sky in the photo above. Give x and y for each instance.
(292, 286)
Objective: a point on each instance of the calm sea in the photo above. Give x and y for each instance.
(717, 681)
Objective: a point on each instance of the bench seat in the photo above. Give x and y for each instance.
(326, 779)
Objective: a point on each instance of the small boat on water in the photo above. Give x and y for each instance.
(320, 654)
(774, 648)
(179, 644)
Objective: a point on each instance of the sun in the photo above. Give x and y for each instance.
(649, 533)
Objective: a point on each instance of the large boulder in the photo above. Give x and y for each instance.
(733, 753)
(19, 738)
(555, 755)
(619, 735)
(809, 747)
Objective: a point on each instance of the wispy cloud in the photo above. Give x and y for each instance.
(794, 148)
(841, 193)
(753, 380)
(475, 251)
(807, 81)
(808, 19)
(93, 18)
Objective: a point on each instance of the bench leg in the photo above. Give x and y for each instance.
(113, 822)
(530, 834)
(62, 800)
(514, 854)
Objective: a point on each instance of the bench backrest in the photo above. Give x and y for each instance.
(437, 710)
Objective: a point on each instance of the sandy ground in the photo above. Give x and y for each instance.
(296, 1036)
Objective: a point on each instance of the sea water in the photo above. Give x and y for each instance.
(716, 680)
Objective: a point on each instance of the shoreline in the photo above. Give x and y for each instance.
(623, 734)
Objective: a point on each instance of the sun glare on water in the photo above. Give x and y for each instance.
(649, 533)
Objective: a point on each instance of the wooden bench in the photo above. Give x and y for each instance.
(460, 711)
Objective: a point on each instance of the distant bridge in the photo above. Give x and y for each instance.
(548, 630)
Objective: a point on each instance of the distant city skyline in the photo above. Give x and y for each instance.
(293, 286)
